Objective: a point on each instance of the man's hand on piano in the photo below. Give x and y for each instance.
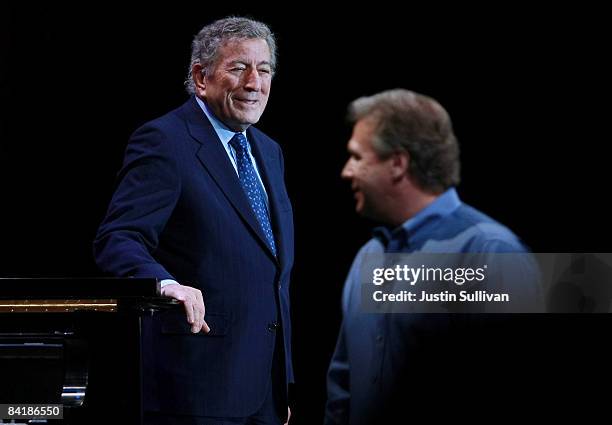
(192, 301)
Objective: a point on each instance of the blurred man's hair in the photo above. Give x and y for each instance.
(416, 124)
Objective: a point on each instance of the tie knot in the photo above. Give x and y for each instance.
(239, 142)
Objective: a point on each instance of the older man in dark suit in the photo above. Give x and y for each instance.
(201, 205)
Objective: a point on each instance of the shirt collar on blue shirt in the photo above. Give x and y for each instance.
(443, 205)
(225, 134)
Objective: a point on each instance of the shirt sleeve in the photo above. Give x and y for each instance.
(338, 395)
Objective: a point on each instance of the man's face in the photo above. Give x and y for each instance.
(370, 176)
(238, 85)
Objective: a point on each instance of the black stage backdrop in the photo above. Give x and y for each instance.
(525, 88)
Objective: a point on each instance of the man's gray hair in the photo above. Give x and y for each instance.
(406, 121)
(205, 45)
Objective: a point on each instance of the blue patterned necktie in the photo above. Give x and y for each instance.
(252, 188)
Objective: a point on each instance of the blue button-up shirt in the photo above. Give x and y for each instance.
(371, 347)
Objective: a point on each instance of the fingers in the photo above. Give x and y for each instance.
(193, 303)
(205, 327)
(200, 312)
(189, 311)
(197, 305)
(194, 316)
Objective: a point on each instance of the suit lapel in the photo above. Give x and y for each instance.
(214, 158)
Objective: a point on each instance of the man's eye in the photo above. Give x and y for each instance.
(264, 71)
(238, 68)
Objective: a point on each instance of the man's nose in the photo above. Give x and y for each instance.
(347, 171)
(253, 81)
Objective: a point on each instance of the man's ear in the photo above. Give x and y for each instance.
(199, 80)
(400, 162)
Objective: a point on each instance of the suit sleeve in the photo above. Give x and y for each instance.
(147, 192)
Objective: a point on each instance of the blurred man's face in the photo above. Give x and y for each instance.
(370, 176)
(238, 85)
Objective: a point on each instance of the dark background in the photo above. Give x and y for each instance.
(527, 90)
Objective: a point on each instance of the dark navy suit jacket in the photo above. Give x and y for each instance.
(179, 212)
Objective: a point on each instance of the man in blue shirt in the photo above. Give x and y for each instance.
(403, 167)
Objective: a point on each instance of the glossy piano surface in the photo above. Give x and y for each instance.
(76, 342)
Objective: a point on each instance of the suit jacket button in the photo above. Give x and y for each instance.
(272, 326)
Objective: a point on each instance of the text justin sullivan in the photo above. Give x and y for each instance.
(444, 296)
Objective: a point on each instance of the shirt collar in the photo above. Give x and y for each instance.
(443, 205)
(225, 134)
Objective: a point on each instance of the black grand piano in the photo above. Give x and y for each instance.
(76, 342)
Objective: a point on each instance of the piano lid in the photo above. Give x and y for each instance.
(57, 306)
(77, 288)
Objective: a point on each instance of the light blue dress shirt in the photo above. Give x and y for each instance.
(372, 347)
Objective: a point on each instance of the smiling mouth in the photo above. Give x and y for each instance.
(248, 101)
